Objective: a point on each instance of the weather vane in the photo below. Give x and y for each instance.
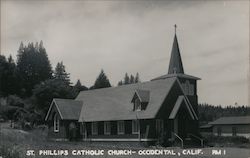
(175, 26)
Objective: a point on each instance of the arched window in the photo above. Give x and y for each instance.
(56, 123)
(137, 104)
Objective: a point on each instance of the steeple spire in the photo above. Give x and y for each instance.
(175, 27)
(175, 64)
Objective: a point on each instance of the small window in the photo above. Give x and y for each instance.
(137, 105)
(107, 128)
(219, 131)
(94, 128)
(159, 125)
(191, 89)
(135, 126)
(56, 123)
(234, 131)
(120, 127)
(83, 128)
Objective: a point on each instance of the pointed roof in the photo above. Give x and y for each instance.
(107, 104)
(143, 95)
(182, 100)
(175, 64)
(68, 109)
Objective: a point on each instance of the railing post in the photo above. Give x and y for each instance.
(200, 139)
(182, 143)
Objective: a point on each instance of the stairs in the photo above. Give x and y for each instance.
(192, 141)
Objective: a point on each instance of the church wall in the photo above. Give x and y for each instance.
(169, 102)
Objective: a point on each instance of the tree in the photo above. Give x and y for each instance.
(33, 66)
(61, 74)
(137, 78)
(132, 79)
(8, 81)
(44, 93)
(120, 83)
(126, 79)
(129, 80)
(101, 81)
(79, 87)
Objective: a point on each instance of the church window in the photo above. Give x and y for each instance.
(107, 128)
(83, 128)
(219, 131)
(94, 127)
(120, 127)
(135, 126)
(187, 87)
(137, 104)
(191, 89)
(159, 125)
(234, 131)
(56, 123)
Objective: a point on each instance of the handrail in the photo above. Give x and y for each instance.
(200, 139)
(176, 135)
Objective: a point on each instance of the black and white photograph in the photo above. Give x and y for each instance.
(124, 78)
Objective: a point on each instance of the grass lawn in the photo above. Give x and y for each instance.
(15, 144)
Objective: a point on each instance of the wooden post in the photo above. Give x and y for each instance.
(139, 130)
(85, 133)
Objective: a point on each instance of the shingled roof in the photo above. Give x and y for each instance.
(115, 103)
(231, 120)
(176, 75)
(68, 109)
(143, 95)
(182, 100)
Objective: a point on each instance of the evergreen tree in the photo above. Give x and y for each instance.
(102, 81)
(12, 83)
(137, 78)
(44, 93)
(79, 87)
(8, 81)
(33, 66)
(61, 74)
(126, 79)
(132, 79)
(120, 83)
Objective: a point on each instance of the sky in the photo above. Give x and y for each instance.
(137, 36)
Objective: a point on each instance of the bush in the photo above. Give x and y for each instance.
(9, 152)
(222, 140)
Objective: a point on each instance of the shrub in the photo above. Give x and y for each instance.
(226, 140)
(9, 152)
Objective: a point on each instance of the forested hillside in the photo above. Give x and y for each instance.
(28, 85)
(208, 112)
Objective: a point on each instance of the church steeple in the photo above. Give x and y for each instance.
(175, 64)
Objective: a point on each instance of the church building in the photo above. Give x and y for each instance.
(161, 110)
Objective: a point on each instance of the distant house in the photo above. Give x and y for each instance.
(163, 108)
(231, 126)
(206, 129)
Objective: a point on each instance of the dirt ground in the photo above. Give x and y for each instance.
(16, 143)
